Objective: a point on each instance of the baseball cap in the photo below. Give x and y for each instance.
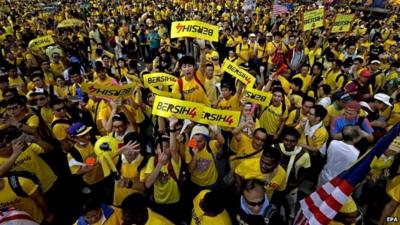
(354, 105)
(269, 34)
(376, 61)
(199, 129)
(120, 117)
(395, 145)
(252, 35)
(342, 95)
(78, 129)
(38, 91)
(383, 98)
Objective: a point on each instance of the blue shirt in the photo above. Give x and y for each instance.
(339, 122)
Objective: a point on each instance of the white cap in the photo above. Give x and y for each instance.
(269, 34)
(383, 98)
(252, 35)
(376, 61)
(199, 129)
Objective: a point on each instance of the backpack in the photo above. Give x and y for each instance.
(180, 83)
(16, 186)
(344, 79)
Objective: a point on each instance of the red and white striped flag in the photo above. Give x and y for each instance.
(278, 9)
(322, 205)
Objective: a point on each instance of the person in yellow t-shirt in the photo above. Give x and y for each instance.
(208, 209)
(33, 203)
(191, 85)
(275, 47)
(131, 166)
(200, 157)
(95, 213)
(163, 173)
(56, 66)
(16, 81)
(245, 147)
(392, 208)
(229, 100)
(297, 115)
(305, 77)
(333, 76)
(102, 77)
(273, 116)
(23, 155)
(266, 168)
(135, 211)
(340, 99)
(243, 51)
(60, 124)
(42, 100)
(210, 83)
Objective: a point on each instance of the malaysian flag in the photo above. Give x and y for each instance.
(278, 9)
(322, 205)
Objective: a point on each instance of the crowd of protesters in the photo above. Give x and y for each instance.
(336, 96)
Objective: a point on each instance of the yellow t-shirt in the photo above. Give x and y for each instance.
(250, 169)
(394, 192)
(191, 90)
(114, 219)
(284, 83)
(57, 68)
(94, 175)
(205, 173)
(100, 110)
(156, 219)
(294, 117)
(128, 171)
(9, 198)
(243, 51)
(233, 103)
(17, 83)
(319, 137)
(271, 46)
(333, 112)
(272, 117)
(313, 55)
(166, 190)
(198, 216)
(242, 148)
(30, 161)
(47, 115)
(306, 81)
(210, 85)
(330, 79)
(106, 82)
(394, 115)
(380, 164)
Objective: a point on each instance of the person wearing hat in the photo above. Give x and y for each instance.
(350, 117)
(56, 65)
(201, 156)
(373, 109)
(360, 88)
(340, 99)
(377, 75)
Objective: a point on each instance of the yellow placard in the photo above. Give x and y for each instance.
(342, 23)
(166, 107)
(70, 23)
(256, 96)
(164, 93)
(157, 79)
(237, 72)
(225, 118)
(313, 19)
(108, 91)
(135, 80)
(194, 29)
(41, 42)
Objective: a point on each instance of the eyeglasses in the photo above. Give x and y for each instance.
(254, 204)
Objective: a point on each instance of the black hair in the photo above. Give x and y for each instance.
(271, 152)
(308, 99)
(320, 111)
(132, 136)
(279, 89)
(212, 202)
(4, 79)
(338, 62)
(359, 59)
(19, 100)
(90, 205)
(326, 89)
(260, 129)
(251, 184)
(291, 131)
(135, 205)
(9, 134)
(37, 74)
(120, 117)
(187, 60)
(55, 101)
(297, 82)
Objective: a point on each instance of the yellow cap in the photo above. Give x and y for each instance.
(349, 207)
(105, 144)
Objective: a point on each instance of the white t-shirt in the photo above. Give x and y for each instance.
(325, 101)
(340, 156)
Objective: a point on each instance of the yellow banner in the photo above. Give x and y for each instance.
(157, 79)
(41, 42)
(342, 23)
(194, 29)
(313, 19)
(225, 118)
(108, 91)
(257, 96)
(70, 23)
(237, 72)
(164, 93)
(166, 107)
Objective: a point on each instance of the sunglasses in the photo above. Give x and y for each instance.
(260, 203)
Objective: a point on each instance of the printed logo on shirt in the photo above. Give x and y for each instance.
(202, 165)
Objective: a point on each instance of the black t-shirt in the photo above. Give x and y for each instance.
(243, 218)
(375, 51)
